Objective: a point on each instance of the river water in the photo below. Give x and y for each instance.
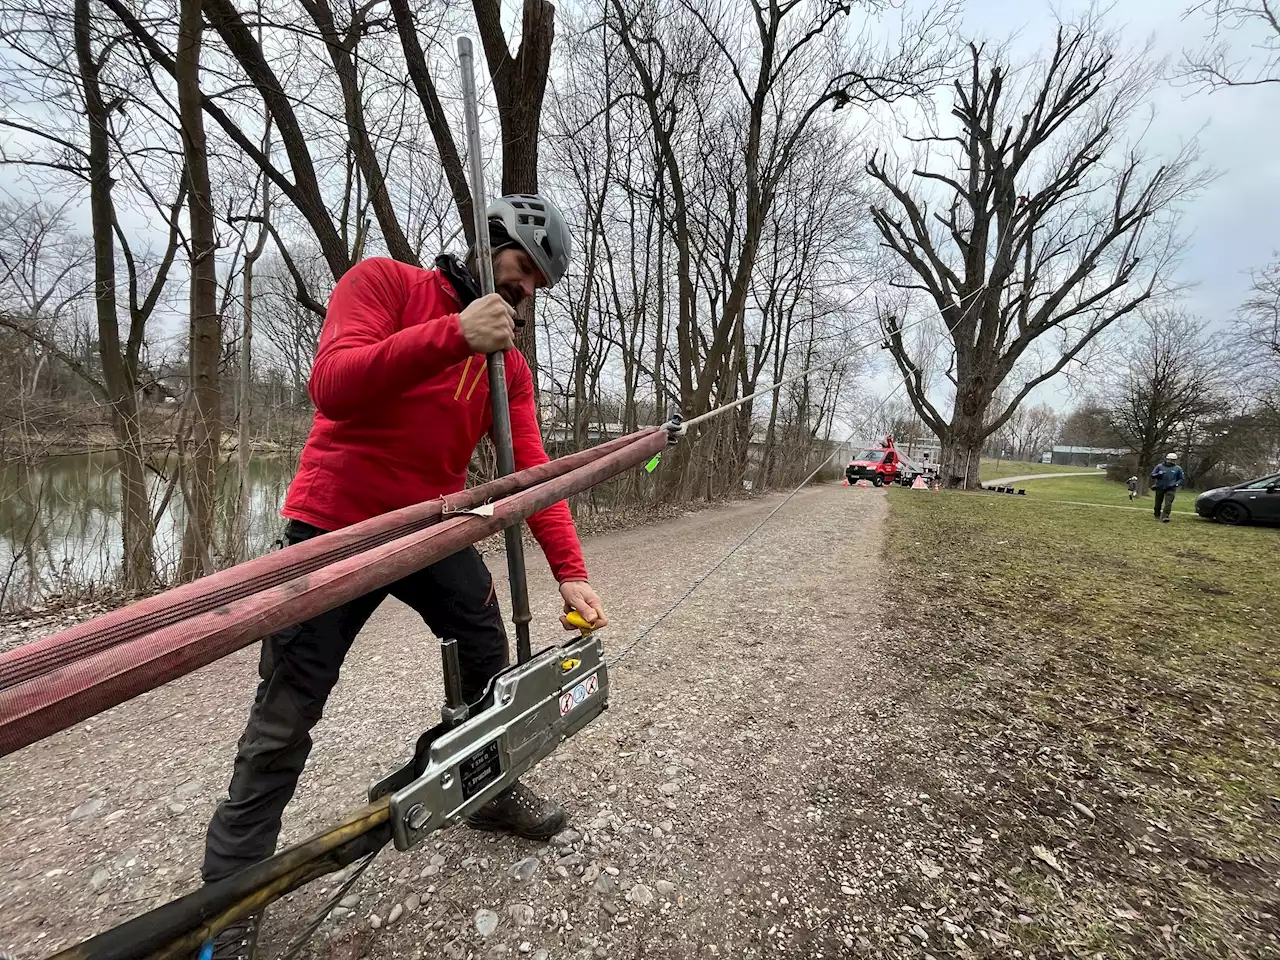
(60, 521)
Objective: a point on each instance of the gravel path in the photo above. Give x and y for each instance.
(728, 805)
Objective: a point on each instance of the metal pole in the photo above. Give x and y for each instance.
(455, 708)
(497, 368)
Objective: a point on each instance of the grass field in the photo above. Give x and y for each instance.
(1099, 490)
(989, 469)
(1119, 681)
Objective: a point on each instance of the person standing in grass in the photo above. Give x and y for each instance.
(1132, 484)
(1166, 478)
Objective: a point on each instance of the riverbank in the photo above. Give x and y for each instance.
(101, 440)
(69, 430)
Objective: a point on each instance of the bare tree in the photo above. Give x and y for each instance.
(1257, 340)
(205, 338)
(1261, 314)
(1216, 64)
(1089, 425)
(815, 238)
(686, 56)
(584, 151)
(289, 330)
(1025, 434)
(302, 185)
(1039, 430)
(1048, 229)
(74, 59)
(1167, 383)
(46, 281)
(519, 84)
(244, 391)
(367, 72)
(898, 418)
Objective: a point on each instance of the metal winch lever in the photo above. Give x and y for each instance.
(457, 768)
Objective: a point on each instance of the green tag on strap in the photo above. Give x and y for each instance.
(652, 465)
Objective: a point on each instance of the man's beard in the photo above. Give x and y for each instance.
(513, 295)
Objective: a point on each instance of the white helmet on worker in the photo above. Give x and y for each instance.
(1171, 457)
(534, 224)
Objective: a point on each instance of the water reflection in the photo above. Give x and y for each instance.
(60, 520)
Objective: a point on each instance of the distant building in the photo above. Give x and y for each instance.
(596, 433)
(1084, 456)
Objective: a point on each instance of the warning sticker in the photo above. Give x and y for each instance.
(579, 693)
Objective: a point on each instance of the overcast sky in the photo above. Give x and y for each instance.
(1234, 227)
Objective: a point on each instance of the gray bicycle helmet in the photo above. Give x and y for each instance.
(534, 223)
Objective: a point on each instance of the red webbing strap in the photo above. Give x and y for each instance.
(60, 698)
(181, 603)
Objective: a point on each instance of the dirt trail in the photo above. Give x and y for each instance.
(726, 806)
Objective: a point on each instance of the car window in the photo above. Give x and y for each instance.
(1263, 483)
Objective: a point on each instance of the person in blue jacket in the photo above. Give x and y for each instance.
(1166, 478)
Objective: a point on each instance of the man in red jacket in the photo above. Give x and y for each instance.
(402, 398)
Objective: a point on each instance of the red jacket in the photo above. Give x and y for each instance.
(401, 402)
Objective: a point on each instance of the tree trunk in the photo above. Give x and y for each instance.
(764, 477)
(239, 546)
(244, 398)
(519, 84)
(205, 336)
(956, 458)
(962, 452)
(581, 410)
(342, 54)
(1146, 463)
(136, 526)
(964, 438)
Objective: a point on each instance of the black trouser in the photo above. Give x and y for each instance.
(1164, 498)
(300, 665)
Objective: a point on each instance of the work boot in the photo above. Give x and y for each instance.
(1164, 519)
(239, 941)
(520, 811)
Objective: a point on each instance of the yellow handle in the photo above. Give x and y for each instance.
(575, 619)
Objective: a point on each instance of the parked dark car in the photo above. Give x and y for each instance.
(1243, 502)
